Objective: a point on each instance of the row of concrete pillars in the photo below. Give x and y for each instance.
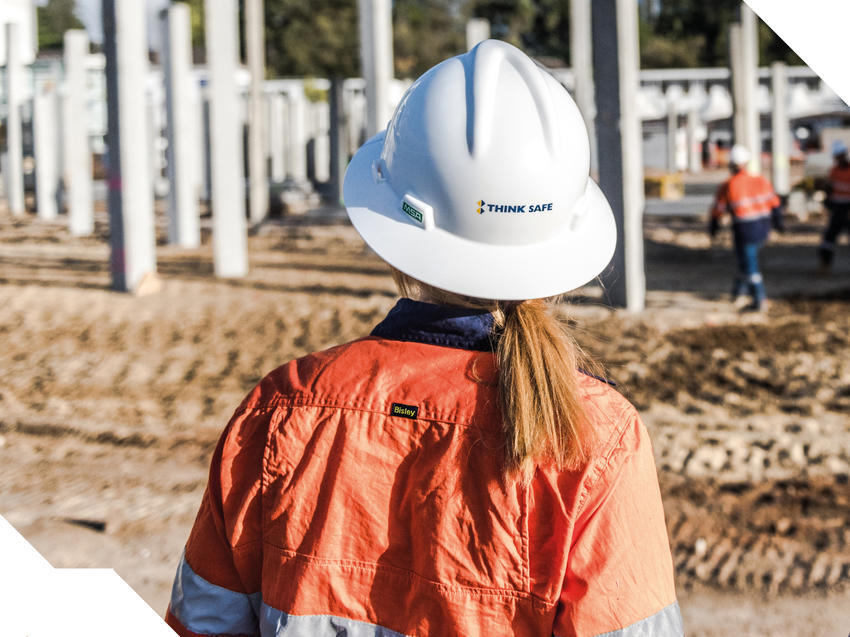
(68, 177)
(63, 161)
(606, 103)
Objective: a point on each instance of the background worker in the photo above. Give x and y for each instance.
(453, 473)
(838, 204)
(754, 207)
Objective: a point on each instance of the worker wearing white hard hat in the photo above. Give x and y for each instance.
(457, 471)
(838, 205)
(753, 207)
(739, 156)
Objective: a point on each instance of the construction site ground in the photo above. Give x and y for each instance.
(111, 404)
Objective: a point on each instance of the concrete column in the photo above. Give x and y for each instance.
(131, 222)
(694, 151)
(157, 99)
(46, 142)
(77, 160)
(183, 222)
(257, 131)
(376, 56)
(356, 120)
(477, 30)
(206, 149)
(338, 151)
(277, 140)
(14, 132)
(154, 109)
(781, 126)
(321, 142)
(750, 54)
(618, 130)
(736, 67)
(581, 61)
(672, 129)
(227, 177)
(196, 136)
(287, 135)
(296, 160)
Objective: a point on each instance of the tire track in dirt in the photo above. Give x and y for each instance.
(775, 536)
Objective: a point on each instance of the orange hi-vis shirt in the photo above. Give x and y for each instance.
(747, 197)
(360, 491)
(839, 182)
(750, 199)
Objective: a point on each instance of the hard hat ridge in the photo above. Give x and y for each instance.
(486, 58)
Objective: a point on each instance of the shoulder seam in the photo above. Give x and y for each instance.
(610, 445)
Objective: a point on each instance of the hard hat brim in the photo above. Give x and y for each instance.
(563, 262)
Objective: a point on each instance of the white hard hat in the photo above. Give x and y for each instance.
(739, 155)
(480, 185)
(839, 147)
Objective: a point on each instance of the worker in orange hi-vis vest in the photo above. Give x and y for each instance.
(459, 471)
(838, 204)
(754, 208)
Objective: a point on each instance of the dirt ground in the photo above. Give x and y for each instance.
(110, 404)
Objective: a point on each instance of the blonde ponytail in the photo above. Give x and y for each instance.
(542, 409)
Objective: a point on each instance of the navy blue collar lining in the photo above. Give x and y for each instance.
(420, 322)
(448, 326)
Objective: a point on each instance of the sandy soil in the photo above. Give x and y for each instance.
(110, 404)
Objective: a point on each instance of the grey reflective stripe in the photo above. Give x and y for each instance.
(753, 217)
(746, 201)
(276, 623)
(208, 609)
(665, 623)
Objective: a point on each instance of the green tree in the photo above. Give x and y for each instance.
(689, 23)
(56, 17)
(509, 20)
(772, 48)
(548, 35)
(424, 33)
(695, 33)
(319, 38)
(659, 52)
(322, 38)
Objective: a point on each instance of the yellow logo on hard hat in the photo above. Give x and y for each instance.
(480, 207)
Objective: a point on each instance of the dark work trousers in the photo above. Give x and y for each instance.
(839, 220)
(749, 277)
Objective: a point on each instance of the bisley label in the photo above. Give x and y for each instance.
(405, 411)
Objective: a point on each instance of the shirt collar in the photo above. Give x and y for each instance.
(445, 325)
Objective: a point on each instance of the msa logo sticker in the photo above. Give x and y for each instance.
(411, 211)
(405, 411)
(483, 207)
